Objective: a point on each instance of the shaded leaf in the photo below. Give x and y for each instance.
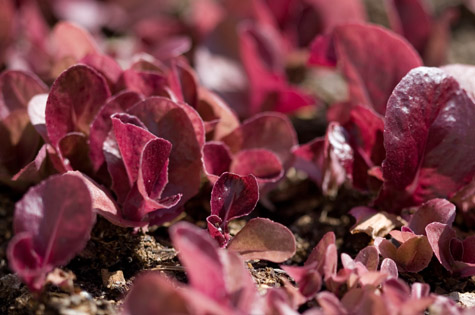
(264, 239)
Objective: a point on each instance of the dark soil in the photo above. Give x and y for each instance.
(114, 256)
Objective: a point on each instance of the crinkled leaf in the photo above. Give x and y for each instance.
(264, 239)
(131, 140)
(52, 223)
(102, 123)
(16, 90)
(372, 59)
(75, 98)
(435, 210)
(365, 133)
(169, 121)
(428, 116)
(143, 82)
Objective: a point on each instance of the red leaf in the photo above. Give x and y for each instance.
(234, 196)
(372, 58)
(216, 159)
(428, 115)
(75, 98)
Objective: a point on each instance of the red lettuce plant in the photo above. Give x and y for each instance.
(52, 223)
(260, 146)
(411, 247)
(456, 255)
(428, 115)
(232, 288)
(232, 197)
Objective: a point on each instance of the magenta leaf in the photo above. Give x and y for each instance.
(435, 210)
(308, 279)
(131, 140)
(428, 115)
(389, 266)
(75, 98)
(372, 59)
(147, 83)
(262, 61)
(52, 223)
(264, 239)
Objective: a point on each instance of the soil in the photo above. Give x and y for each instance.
(114, 256)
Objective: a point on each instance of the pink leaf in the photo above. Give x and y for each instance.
(231, 285)
(369, 257)
(70, 40)
(52, 223)
(264, 239)
(428, 115)
(440, 236)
